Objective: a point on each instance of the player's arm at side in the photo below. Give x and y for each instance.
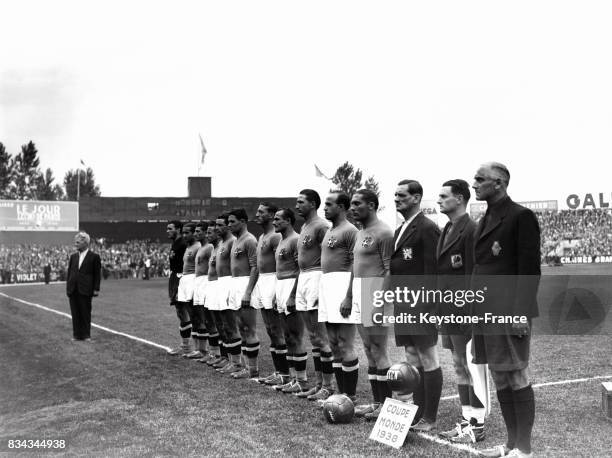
(291, 298)
(251, 249)
(386, 249)
(346, 307)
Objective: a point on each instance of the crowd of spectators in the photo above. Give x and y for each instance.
(564, 233)
(134, 259)
(576, 232)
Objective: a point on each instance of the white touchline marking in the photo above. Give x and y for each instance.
(437, 440)
(103, 328)
(6, 285)
(539, 385)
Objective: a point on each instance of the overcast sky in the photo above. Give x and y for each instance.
(423, 90)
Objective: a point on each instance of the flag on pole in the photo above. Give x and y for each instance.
(202, 155)
(203, 150)
(83, 163)
(320, 174)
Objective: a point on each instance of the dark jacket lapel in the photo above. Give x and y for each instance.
(455, 235)
(408, 232)
(496, 218)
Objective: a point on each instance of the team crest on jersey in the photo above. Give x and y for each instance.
(407, 253)
(264, 244)
(221, 250)
(456, 261)
(307, 240)
(282, 253)
(331, 243)
(496, 248)
(238, 252)
(368, 241)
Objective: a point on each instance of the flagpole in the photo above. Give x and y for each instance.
(78, 183)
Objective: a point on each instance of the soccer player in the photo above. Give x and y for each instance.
(203, 324)
(507, 243)
(371, 264)
(264, 294)
(243, 264)
(339, 315)
(231, 339)
(187, 281)
(454, 256)
(306, 293)
(287, 270)
(414, 254)
(198, 332)
(215, 325)
(177, 251)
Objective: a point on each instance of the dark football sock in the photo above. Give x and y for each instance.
(350, 377)
(281, 357)
(299, 361)
(418, 396)
(252, 350)
(213, 339)
(433, 391)
(373, 383)
(506, 405)
(524, 409)
(185, 329)
(464, 400)
(337, 365)
(316, 357)
(234, 347)
(384, 391)
(474, 401)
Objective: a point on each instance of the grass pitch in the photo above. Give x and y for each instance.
(117, 397)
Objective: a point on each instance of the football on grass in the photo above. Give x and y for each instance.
(403, 378)
(338, 408)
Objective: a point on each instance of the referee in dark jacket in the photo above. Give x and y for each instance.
(507, 246)
(83, 283)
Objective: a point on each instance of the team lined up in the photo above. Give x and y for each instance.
(310, 283)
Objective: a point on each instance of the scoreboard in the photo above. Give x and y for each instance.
(33, 215)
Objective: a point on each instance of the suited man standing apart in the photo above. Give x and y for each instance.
(414, 254)
(507, 243)
(83, 283)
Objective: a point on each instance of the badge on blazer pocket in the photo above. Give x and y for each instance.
(407, 253)
(456, 261)
(496, 248)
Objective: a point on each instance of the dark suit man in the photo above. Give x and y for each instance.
(414, 254)
(507, 243)
(455, 259)
(83, 283)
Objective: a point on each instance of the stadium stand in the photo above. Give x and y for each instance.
(573, 233)
(565, 233)
(25, 262)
